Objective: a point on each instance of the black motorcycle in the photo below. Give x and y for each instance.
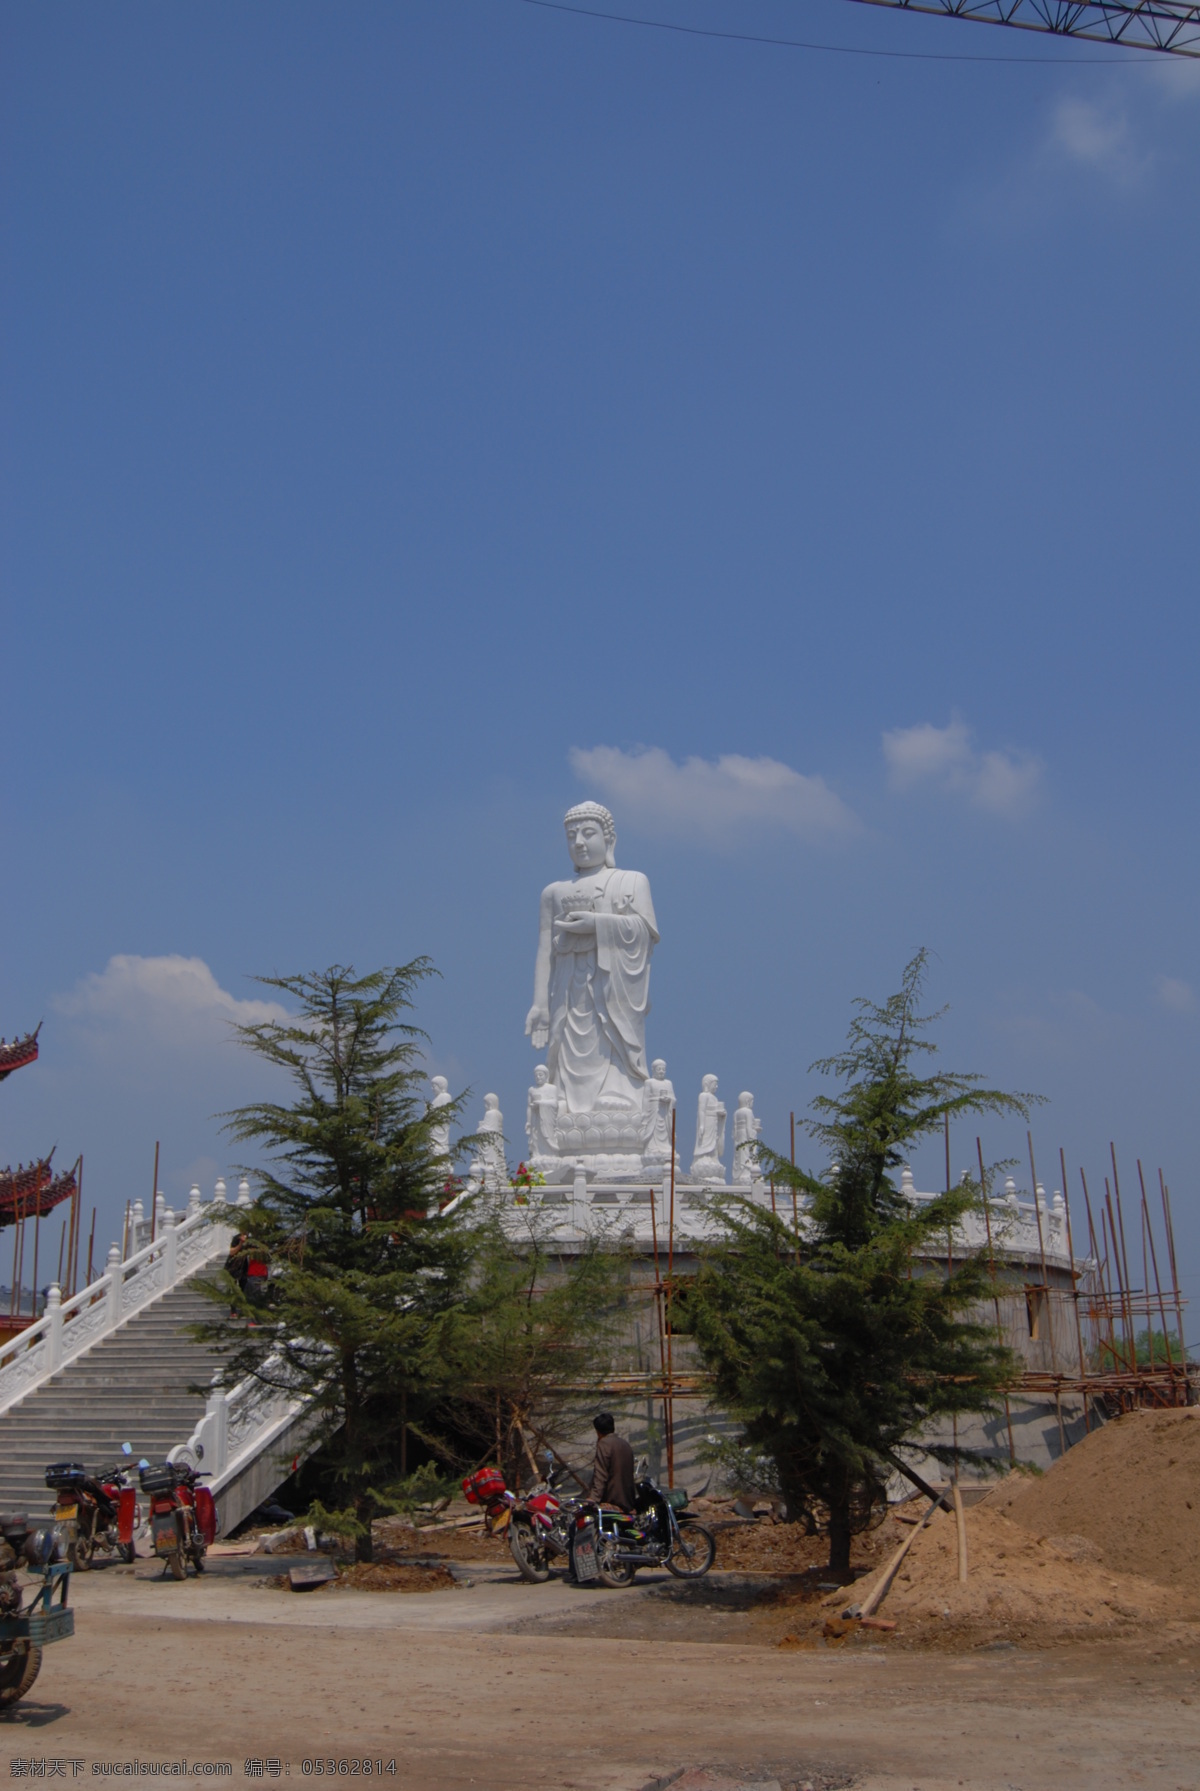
(607, 1547)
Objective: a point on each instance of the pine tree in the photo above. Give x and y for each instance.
(838, 1342)
(367, 1278)
(539, 1331)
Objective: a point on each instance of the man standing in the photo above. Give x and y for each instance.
(612, 1474)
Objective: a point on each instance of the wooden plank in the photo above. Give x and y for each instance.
(306, 1574)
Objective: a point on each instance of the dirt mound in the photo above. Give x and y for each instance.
(1131, 1490)
(1019, 1589)
(389, 1576)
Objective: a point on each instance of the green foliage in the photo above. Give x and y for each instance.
(1158, 1349)
(368, 1279)
(538, 1329)
(838, 1342)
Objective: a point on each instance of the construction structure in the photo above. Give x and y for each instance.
(1171, 27)
(28, 1194)
(1093, 1339)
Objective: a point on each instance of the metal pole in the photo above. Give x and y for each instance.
(91, 1246)
(1130, 1360)
(12, 1292)
(154, 1196)
(1101, 1267)
(78, 1224)
(37, 1238)
(1148, 1231)
(1087, 1416)
(670, 1291)
(987, 1220)
(1124, 1256)
(1170, 1229)
(1037, 1207)
(658, 1312)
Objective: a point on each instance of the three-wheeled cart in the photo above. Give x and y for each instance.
(25, 1634)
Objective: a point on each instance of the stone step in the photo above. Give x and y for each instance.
(130, 1387)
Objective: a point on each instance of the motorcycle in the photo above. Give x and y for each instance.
(539, 1527)
(538, 1522)
(608, 1547)
(93, 1511)
(183, 1515)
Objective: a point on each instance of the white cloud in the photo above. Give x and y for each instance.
(927, 751)
(715, 801)
(1095, 134)
(1174, 993)
(1004, 783)
(1178, 77)
(170, 996)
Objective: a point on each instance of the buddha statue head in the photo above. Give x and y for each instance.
(591, 836)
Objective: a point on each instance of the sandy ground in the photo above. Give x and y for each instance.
(498, 1684)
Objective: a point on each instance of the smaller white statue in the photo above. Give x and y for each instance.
(658, 1104)
(439, 1132)
(541, 1114)
(491, 1167)
(710, 1134)
(746, 1129)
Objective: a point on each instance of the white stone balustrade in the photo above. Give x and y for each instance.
(625, 1207)
(68, 1327)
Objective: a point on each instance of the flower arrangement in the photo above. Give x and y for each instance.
(452, 1187)
(524, 1180)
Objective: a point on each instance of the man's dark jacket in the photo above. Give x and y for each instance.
(612, 1476)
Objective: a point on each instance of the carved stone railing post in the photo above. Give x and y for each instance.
(243, 1198)
(115, 1286)
(194, 1201)
(170, 1247)
(54, 1328)
(579, 1196)
(216, 1415)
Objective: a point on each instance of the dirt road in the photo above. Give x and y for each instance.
(502, 1685)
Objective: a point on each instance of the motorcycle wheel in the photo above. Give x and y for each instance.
(611, 1570)
(80, 1552)
(18, 1672)
(177, 1564)
(127, 1552)
(530, 1559)
(693, 1554)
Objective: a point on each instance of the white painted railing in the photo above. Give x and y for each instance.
(238, 1426)
(182, 1247)
(1022, 1228)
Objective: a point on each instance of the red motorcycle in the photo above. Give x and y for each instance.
(92, 1511)
(539, 1524)
(183, 1515)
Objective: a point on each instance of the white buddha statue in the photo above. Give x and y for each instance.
(658, 1106)
(439, 1131)
(746, 1129)
(541, 1112)
(710, 1134)
(591, 982)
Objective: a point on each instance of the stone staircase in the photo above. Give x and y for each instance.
(132, 1386)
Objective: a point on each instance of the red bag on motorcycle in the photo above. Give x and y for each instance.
(483, 1485)
(206, 1514)
(126, 1514)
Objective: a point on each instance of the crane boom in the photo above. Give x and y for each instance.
(1172, 26)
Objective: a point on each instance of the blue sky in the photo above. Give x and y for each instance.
(420, 416)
